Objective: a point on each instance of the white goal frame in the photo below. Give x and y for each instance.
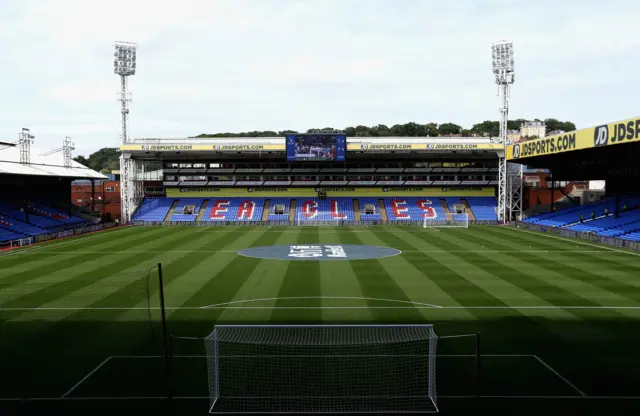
(437, 223)
(362, 360)
(303, 221)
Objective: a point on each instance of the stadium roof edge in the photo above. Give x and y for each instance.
(51, 165)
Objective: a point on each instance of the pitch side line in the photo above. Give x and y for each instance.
(541, 361)
(576, 241)
(113, 398)
(236, 251)
(205, 308)
(75, 386)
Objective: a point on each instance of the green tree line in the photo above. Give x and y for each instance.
(107, 159)
(485, 128)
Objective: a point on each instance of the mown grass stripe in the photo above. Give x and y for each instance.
(301, 280)
(338, 279)
(450, 273)
(578, 277)
(377, 279)
(263, 283)
(73, 262)
(552, 288)
(41, 290)
(613, 259)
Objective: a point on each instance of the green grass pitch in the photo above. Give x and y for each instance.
(559, 319)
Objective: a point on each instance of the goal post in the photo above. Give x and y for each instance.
(458, 221)
(318, 219)
(322, 369)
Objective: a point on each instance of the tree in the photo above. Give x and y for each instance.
(447, 129)
(81, 159)
(431, 129)
(487, 128)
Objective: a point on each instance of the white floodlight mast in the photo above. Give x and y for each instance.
(25, 138)
(504, 71)
(67, 151)
(124, 65)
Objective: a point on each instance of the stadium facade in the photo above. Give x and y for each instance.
(365, 172)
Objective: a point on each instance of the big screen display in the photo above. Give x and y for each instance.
(316, 147)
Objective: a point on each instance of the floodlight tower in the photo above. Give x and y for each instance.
(67, 148)
(124, 65)
(504, 71)
(24, 141)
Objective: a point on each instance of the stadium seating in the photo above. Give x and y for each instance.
(414, 209)
(237, 209)
(153, 209)
(251, 209)
(483, 208)
(6, 235)
(279, 217)
(369, 217)
(57, 214)
(178, 213)
(567, 217)
(331, 209)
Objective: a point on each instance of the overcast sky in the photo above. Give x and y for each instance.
(236, 65)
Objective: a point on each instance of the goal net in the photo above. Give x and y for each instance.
(322, 368)
(458, 221)
(318, 219)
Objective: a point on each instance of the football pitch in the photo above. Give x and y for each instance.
(558, 319)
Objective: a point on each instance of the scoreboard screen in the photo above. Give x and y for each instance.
(316, 147)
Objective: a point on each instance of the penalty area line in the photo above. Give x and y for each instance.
(205, 308)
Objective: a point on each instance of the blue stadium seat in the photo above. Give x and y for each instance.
(483, 208)
(234, 209)
(313, 209)
(414, 209)
(178, 212)
(369, 217)
(153, 209)
(279, 217)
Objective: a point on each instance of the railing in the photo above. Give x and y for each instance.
(594, 238)
(294, 223)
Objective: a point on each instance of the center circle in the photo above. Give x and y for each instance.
(330, 252)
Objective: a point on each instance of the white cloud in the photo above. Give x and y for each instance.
(237, 65)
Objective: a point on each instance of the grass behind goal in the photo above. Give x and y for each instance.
(557, 318)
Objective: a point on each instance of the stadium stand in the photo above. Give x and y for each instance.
(153, 209)
(188, 204)
(331, 209)
(238, 209)
(414, 209)
(376, 216)
(250, 209)
(286, 202)
(570, 216)
(483, 208)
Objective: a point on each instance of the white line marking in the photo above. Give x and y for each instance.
(575, 241)
(403, 251)
(330, 355)
(541, 361)
(321, 298)
(205, 308)
(69, 240)
(207, 398)
(85, 378)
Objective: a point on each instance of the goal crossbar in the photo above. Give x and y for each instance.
(457, 221)
(345, 368)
